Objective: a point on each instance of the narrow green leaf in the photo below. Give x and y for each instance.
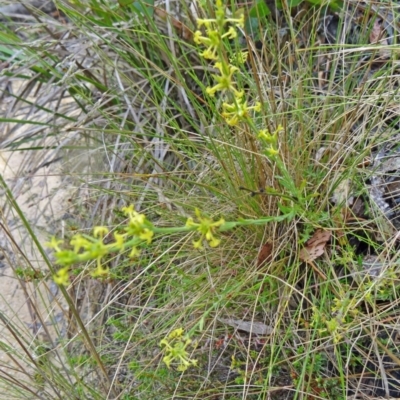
(145, 7)
(23, 121)
(294, 3)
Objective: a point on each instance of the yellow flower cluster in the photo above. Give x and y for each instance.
(225, 81)
(175, 346)
(137, 230)
(85, 248)
(216, 31)
(207, 228)
(272, 149)
(235, 113)
(138, 225)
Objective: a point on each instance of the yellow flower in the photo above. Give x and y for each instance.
(100, 270)
(239, 58)
(230, 34)
(206, 227)
(239, 111)
(212, 41)
(138, 225)
(225, 81)
(221, 19)
(267, 137)
(54, 243)
(146, 235)
(79, 242)
(135, 252)
(272, 141)
(175, 346)
(257, 107)
(129, 209)
(176, 333)
(206, 22)
(209, 54)
(212, 241)
(61, 277)
(271, 152)
(100, 231)
(198, 244)
(119, 241)
(239, 22)
(197, 37)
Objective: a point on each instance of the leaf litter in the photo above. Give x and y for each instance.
(315, 246)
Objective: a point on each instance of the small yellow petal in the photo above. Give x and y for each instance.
(190, 222)
(231, 33)
(211, 91)
(128, 210)
(167, 360)
(119, 240)
(54, 243)
(100, 231)
(197, 37)
(61, 278)
(197, 244)
(214, 242)
(176, 333)
(147, 235)
(134, 252)
(100, 271)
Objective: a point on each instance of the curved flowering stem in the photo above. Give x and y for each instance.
(138, 232)
(217, 30)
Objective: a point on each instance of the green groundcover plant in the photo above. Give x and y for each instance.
(139, 231)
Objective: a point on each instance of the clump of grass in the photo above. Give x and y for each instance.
(190, 112)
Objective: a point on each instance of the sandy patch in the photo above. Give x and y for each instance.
(28, 310)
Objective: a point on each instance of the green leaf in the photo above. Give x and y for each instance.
(145, 7)
(201, 324)
(23, 121)
(289, 212)
(336, 5)
(259, 10)
(252, 27)
(7, 38)
(294, 3)
(291, 3)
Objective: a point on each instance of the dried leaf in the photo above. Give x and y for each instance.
(342, 193)
(264, 255)
(376, 32)
(315, 246)
(181, 29)
(358, 207)
(248, 326)
(376, 36)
